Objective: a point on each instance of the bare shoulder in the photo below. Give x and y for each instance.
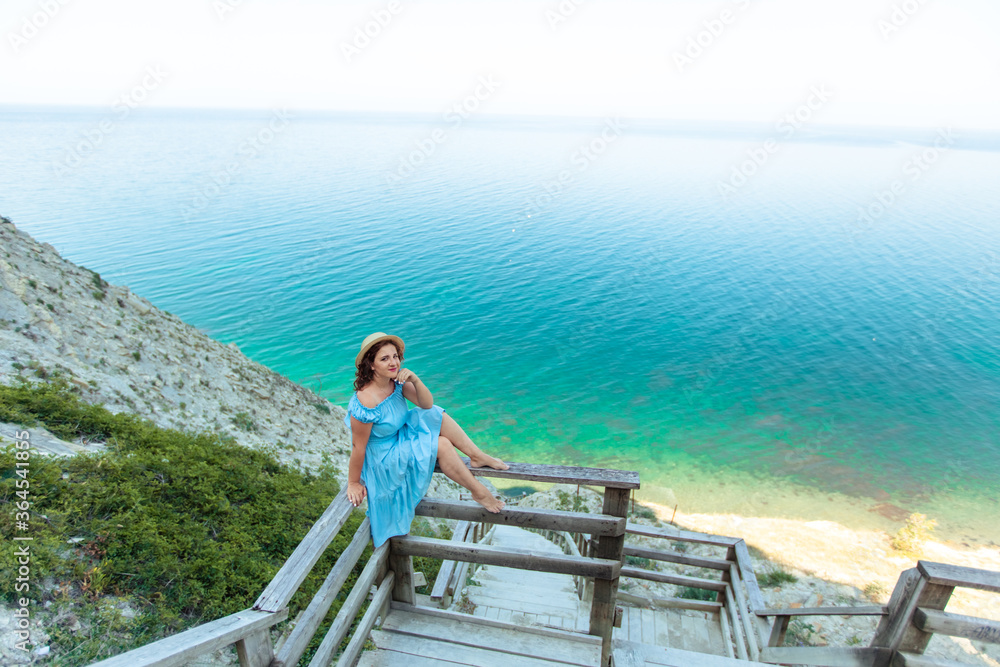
(367, 398)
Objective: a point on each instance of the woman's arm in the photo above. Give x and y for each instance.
(414, 389)
(360, 431)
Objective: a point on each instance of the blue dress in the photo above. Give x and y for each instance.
(399, 460)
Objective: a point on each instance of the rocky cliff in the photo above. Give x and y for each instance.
(126, 353)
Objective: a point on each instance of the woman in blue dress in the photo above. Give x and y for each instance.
(394, 448)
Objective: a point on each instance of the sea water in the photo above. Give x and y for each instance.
(800, 327)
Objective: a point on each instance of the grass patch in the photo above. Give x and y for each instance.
(180, 527)
(638, 561)
(691, 593)
(421, 527)
(775, 577)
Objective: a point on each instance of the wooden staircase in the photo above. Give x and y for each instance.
(539, 604)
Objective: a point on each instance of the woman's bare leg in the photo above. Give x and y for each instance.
(455, 469)
(479, 459)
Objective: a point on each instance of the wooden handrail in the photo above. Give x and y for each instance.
(183, 647)
(607, 478)
(312, 617)
(523, 559)
(678, 535)
(678, 558)
(824, 611)
(291, 575)
(444, 575)
(352, 605)
(825, 656)
(957, 625)
(523, 517)
(944, 574)
(676, 579)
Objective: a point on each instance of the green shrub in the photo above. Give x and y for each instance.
(638, 561)
(690, 593)
(910, 539)
(421, 527)
(643, 513)
(184, 527)
(244, 421)
(776, 577)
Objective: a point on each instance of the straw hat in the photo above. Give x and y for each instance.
(374, 338)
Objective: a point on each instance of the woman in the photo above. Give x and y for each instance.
(394, 448)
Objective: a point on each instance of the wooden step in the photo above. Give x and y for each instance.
(434, 634)
(632, 654)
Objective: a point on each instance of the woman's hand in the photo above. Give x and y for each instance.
(406, 375)
(356, 492)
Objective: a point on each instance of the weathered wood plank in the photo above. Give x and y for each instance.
(475, 620)
(727, 638)
(902, 604)
(955, 575)
(670, 603)
(449, 652)
(753, 642)
(824, 611)
(933, 596)
(826, 656)
(778, 631)
(677, 557)
(523, 559)
(523, 517)
(745, 565)
(606, 477)
(678, 535)
(300, 563)
(312, 617)
(676, 579)
(255, 650)
(345, 617)
(734, 616)
(402, 567)
(957, 625)
(185, 646)
(448, 567)
(353, 649)
(494, 634)
(903, 659)
(602, 609)
(631, 653)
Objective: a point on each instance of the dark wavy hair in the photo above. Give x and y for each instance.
(366, 369)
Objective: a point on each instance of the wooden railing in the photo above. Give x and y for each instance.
(731, 578)
(390, 570)
(914, 614)
(452, 575)
(602, 563)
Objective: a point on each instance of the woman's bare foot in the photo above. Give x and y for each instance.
(485, 461)
(486, 499)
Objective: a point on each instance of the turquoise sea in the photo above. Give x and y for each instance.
(581, 292)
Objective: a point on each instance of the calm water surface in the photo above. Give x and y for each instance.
(762, 352)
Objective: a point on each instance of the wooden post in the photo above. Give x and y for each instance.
(901, 606)
(934, 596)
(602, 611)
(778, 631)
(403, 589)
(255, 650)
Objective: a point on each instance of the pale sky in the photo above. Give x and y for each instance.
(932, 63)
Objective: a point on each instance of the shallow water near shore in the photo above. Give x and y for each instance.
(763, 353)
